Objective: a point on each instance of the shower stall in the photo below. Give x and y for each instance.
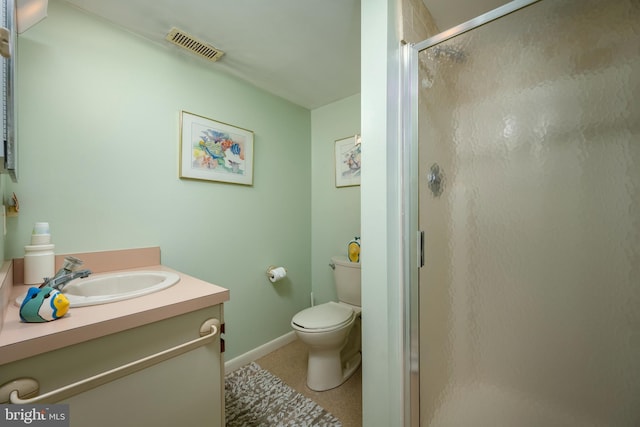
(522, 141)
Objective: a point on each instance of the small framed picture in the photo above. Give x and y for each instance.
(215, 151)
(347, 161)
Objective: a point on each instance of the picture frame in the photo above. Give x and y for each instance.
(347, 161)
(215, 151)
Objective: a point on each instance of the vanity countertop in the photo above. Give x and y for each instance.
(20, 340)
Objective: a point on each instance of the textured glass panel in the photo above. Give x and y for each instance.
(530, 296)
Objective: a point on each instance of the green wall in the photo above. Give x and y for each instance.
(98, 122)
(335, 212)
(3, 180)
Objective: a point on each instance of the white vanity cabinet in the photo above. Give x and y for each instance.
(187, 390)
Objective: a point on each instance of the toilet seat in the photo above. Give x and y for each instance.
(323, 317)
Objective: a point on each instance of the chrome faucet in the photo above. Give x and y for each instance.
(67, 273)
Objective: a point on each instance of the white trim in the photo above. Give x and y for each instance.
(258, 352)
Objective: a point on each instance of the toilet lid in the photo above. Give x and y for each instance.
(323, 316)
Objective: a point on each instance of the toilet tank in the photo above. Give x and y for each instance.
(347, 278)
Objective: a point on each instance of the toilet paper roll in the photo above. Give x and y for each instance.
(277, 273)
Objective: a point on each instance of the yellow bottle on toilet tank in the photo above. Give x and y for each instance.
(353, 249)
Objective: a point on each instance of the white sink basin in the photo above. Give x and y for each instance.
(106, 288)
(112, 287)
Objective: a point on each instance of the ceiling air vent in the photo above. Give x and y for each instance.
(194, 45)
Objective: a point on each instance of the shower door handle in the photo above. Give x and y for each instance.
(420, 248)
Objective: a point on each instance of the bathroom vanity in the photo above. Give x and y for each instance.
(187, 389)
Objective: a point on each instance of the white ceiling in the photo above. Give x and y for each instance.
(306, 51)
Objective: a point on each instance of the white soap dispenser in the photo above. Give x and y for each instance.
(39, 258)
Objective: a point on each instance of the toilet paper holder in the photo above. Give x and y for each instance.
(275, 273)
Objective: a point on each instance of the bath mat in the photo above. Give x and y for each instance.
(254, 397)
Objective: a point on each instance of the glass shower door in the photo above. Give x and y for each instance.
(529, 197)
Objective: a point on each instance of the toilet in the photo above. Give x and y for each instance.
(331, 330)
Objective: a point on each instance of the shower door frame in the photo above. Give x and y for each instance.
(414, 241)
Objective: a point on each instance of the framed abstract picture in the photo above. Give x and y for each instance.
(215, 151)
(347, 161)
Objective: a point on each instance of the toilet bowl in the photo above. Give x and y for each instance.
(331, 331)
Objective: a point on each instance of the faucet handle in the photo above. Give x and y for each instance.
(71, 263)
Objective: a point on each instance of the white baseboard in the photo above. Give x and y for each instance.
(258, 352)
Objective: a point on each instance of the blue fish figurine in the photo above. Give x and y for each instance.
(43, 305)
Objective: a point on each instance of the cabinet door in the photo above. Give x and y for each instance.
(186, 390)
